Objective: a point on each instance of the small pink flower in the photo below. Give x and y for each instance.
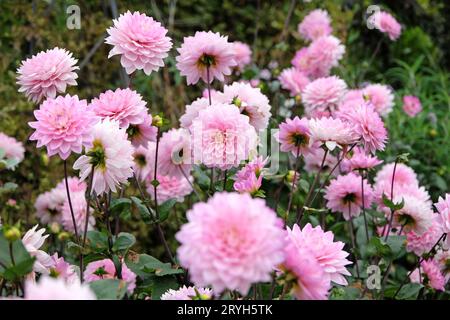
(293, 80)
(242, 54)
(143, 133)
(63, 270)
(381, 97)
(431, 272)
(230, 242)
(142, 167)
(360, 160)
(411, 106)
(105, 269)
(174, 156)
(170, 188)
(206, 56)
(46, 73)
(64, 125)
(48, 206)
(386, 23)
(140, 41)
(12, 148)
(294, 136)
(323, 94)
(79, 210)
(331, 132)
(249, 178)
(188, 293)
(57, 289)
(316, 24)
(404, 175)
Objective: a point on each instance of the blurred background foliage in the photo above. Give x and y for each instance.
(416, 64)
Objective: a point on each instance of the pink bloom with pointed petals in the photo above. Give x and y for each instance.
(63, 270)
(293, 80)
(431, 272)
(360, 160)
(422, 243)
(141, 134)
(105, 269)
(411, 106)
(386, 23)
(294, 136)
(381, 97)
(323, 94)
(316, 24)
(331, 132)
(249, 178)
(242, 54)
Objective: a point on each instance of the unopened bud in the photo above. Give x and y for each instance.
(63, 236)
(157, 121)
(12, 234)
(290, 176)
(55, 227)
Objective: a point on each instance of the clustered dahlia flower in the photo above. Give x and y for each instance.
(46, 73)
(12, 148)
(48, 288)
(49, 204)
(331, 132)
(360, 160)
(411, 106)
(230, 242)
(105, 269)
(323, 94)
(422, 243)
(170, 187)
(242, 54)
(430, 274)
(380, 96)
(143, 133)
(193, 109)
(188, 293)
(295, 137)
(316, 24)
(386, 23)
(249, 178)
(140, 41)
(293, 80)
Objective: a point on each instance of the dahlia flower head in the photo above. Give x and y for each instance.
(231, 242)
(192, 110)
(63, 270)
(250, 101)
(11, 148)
(360, 160)
(222, 137)
(411, 106)
(242, 54)
(47, 73)
(170, 188)
(344, 195)
(206, 56)
(313, 160)
(386, 23)
(331, 132)
(330, 254)
(64, 125)
(49, 205)
(293, 80)
(380, 96)
(140, 41)
(249, 178)
(311, 280)
(423, 243)
(416, 214)
(111, 157)
(431, 275)
(443, 208)
(141, 166)
(49, 288)
(143, 133)
(79, 204)
(74, 183)
(295, 137)
(188, 293)
(442, 258)
(323, 94)
(174, 156)
(316, 24)
(33, 241)
(123, 105)
(105, 269)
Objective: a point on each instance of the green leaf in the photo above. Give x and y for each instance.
(409, 291)
(23, 262)
(145, 265)
(97, 241)
(391, 205)
(378, 247)
(164, 209)
(109, 289)
(396, 243)
(146, 215)
(123, 242)
(119, 205)
(161, 285)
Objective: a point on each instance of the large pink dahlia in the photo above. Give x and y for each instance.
(293, 80)
(294, 136)
(141, 42)
(46, 73)
(321, 56)
(323, 94)
(230, 242)
(316, 24)
(63, 125)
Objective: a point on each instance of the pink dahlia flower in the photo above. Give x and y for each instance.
(105, 269)
(323, 94)
(404, 175)
(140, 41)
(188, 293)
(48, 206)
(123, 105)
(429, 270)
(63, 125)
(381, 97)
(367, 124)
(141, 166)
(313, 160)
(294, 136)
(63, 270)
(331, 132)
(249, 178)
(242, 54)
(75, 185)
(386, 23)
(193, 109)
(141, 134)
(12, 148)
(316, 24)
(422, 243)
(111, 157)
(230, 242)
(411, 106)
(174, 156)
(46, 73)
(293, 80)
(33, 240)
(222, 137)
(311, 280)
(170, 188)
(416, 214)
(79, 210)
(443, 208)
(360, 160)
(329, 254)
(205, 56)
(250, 101)
(442, 258)
(344, 195)
(443, 203)
(57, 289)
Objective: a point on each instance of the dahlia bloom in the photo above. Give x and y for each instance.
(416, 214)
(12, 148)
(46, 73)
(444, 220)
(63, 125)
(386, 23)
(329, 254)
(140, 41)
(57, 289)
(79, 211)
(141, 134)
(141, 166)
(230, 242)
(63, 270)
(293, 80)
(422, 243)
(294, 136)
(431, 275)
(33, 240)
(123, 105)
(74, 183)
(242, 54)
(411, 106)
(344, 195)
(222, 137)
(360, 160)
(331, 132)
(249, 178)
(366, 124)
(170, 188)
(174, 156)
(49, 204)
(313, 160)
(188, 293)
(193, 109)
(105, 269)
(381, 97)
(250, 101)
(323, 94)
(311, 281)
(442, 258)
(111, 157)
(404, 175)
(443, 203)
(206, 56)
(316, 24)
